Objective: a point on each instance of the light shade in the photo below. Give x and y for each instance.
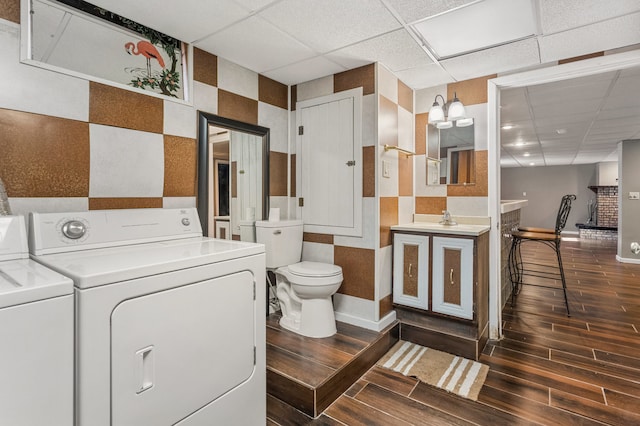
(436, 114)
(464, 122)
(456, 110)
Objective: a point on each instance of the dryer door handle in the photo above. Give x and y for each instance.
(144, 367)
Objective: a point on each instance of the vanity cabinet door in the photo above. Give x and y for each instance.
(453, 277)
(410, 270)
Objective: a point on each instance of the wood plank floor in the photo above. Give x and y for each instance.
(549, 369)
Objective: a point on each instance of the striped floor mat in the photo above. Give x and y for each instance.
(449, 372)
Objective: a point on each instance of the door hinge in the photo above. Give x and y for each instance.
(300, 202)
(255, 355)
(351, 163)
(254, 290)
(300, 130)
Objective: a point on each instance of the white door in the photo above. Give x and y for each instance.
(175, 351)
(330, 163)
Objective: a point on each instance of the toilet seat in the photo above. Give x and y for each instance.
(314, 269)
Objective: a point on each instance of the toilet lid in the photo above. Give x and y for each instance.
(315, 269)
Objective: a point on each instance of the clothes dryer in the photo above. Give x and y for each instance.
(170, 325)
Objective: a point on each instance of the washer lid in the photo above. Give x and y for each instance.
(314, 269)
(25, 281)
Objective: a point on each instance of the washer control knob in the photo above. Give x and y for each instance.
(74, 229)
(186, 221)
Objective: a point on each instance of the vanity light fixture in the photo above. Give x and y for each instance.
(455, 113)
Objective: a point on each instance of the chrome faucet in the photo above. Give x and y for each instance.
(446, 218)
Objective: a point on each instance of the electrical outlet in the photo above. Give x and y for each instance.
(634, 195)
(524, 194)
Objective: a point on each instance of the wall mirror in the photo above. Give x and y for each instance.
(77, 38)
(451, 155)
(233, 175)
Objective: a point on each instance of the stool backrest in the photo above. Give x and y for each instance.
(563, 212)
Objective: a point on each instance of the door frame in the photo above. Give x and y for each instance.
(566, 71)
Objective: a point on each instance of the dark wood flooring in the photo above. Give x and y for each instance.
(549, 369)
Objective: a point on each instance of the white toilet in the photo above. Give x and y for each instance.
(304, 289)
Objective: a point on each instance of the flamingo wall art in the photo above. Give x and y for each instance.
(167, 80)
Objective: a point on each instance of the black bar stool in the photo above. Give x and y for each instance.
(549, 237)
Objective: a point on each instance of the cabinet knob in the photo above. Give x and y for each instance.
(410, 266)
(451, 276)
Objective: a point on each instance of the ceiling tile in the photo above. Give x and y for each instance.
(491, 61)
(303, 71)
(563, 15)
(331, 24)
(254, 5)
(478, 26)
(203, 18)
(397, 50)
(597, 37)
(256, 44)
(424, 76)
(414, 10)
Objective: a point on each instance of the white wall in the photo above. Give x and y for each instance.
(545, 187)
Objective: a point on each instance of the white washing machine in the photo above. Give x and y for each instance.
(170, 325)
(36, 335)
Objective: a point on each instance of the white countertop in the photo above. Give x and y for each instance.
(507, 206)
(429, 223)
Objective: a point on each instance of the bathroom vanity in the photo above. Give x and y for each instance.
(441, 283)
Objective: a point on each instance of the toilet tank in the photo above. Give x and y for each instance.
(247, 231)
(282, 240)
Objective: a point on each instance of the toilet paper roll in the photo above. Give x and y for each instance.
(249, 213)
(274, 214)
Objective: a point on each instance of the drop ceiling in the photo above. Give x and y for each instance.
(428, 43)
(577, 121)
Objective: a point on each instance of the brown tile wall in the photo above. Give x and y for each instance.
(405, 175)
(388, 218)
(205, 67)
(317, 238)
(470, 92)
(369, 171)
(292, 165)
(278, 162)
(580, 58)
(272, 92)
(293, 98)
(236, 107)
(10, 10)
(405, 96)
(358, 268)
(43, 156)
(358, 77)
(430, 205)
(421, 132)
(385, 305)
(180, 160)
(123, 108)
(124, 203)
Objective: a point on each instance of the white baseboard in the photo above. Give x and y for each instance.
(365, 323)
(627, 260)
